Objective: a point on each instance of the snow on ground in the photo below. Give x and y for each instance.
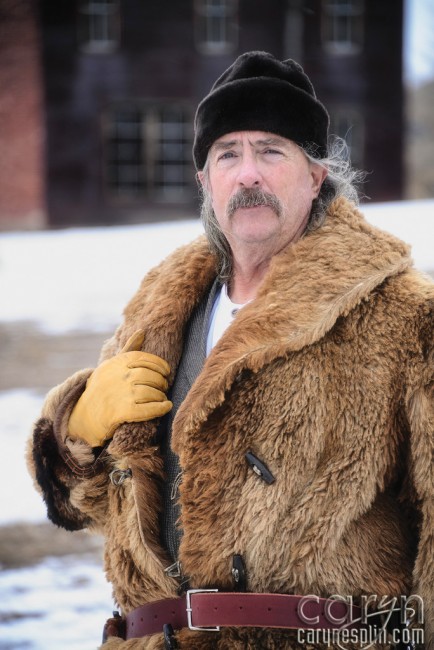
(81, 278)
(61, 604)
(20, 502)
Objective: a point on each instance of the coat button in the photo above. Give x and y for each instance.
(259, 468)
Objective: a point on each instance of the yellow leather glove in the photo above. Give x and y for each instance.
(129, 387)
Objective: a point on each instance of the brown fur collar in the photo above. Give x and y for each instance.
(307, 287)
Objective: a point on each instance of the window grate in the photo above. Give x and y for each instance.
(149, 152)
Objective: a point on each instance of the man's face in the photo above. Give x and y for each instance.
(256, 160)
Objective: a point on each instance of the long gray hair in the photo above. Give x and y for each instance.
(341, 180)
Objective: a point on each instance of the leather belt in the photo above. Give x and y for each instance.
(208, 610)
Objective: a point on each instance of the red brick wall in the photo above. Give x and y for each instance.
(21, 118)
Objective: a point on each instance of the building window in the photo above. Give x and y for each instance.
(342, 26)
(216, 26)
(348, 123)
(99, 25)
(149, 152)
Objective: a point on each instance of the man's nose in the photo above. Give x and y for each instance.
(249, 174)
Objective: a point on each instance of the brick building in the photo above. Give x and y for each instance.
(22, 195)
(121, 80)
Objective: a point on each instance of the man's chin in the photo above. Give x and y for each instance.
(253, 232)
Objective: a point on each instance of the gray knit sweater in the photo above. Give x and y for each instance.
(192, 360)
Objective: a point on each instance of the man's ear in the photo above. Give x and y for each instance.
(200, 178)
(318, 174)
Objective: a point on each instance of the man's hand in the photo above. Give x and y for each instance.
(129, 387)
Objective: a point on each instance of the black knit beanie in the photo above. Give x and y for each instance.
(259, 93)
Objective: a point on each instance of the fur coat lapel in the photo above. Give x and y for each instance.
(308, 287)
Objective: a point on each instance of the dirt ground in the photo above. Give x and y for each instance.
(27, 544)
(33, 359)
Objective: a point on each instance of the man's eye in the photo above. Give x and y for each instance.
(226, 155)
(273, 151)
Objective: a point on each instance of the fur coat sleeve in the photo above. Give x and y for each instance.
(69, 475)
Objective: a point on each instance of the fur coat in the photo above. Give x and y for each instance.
(327, 377)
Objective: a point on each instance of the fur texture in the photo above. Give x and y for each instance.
(327, 376)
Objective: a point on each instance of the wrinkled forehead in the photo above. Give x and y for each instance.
(249, 138)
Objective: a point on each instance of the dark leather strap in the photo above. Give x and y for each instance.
(215, 609)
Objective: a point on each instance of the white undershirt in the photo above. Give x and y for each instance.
(222, 315)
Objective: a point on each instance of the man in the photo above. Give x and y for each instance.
(261, 423)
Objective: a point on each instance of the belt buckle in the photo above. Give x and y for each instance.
(190, 611)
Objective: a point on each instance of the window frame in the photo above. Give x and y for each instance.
(353, 12)
(151, 162)
(205, 17)
(85, 12)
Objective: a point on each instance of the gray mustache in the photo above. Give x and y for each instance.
(253, 198)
